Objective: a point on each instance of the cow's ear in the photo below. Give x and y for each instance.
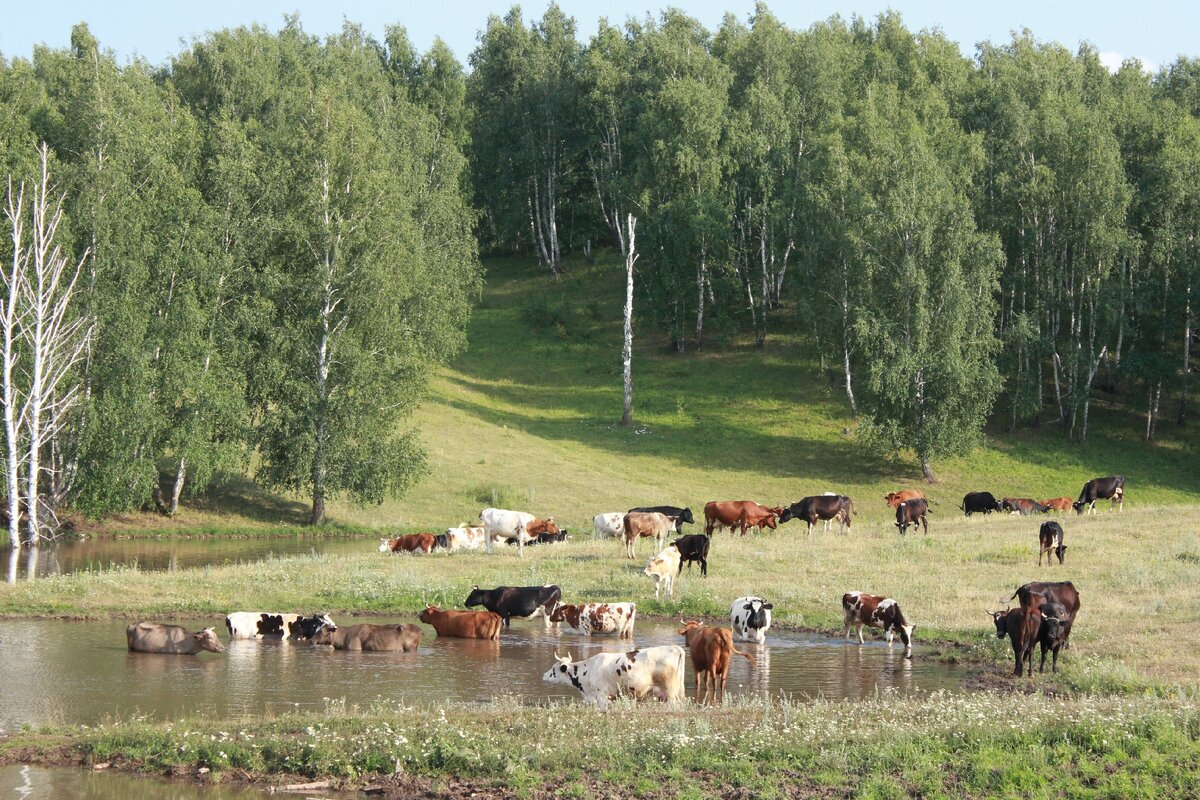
(748, 606)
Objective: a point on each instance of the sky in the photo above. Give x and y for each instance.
(1153, 31)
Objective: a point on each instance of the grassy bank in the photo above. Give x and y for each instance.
(942, 746)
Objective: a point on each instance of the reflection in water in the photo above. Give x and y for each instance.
(14, 558)
(81, 672)
(56, 783)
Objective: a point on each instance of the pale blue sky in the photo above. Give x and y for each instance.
(1156, 31)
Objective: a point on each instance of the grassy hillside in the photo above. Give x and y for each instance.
(526, 418)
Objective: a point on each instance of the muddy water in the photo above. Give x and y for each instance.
(81, 672)
(57, 783)
(167, 554)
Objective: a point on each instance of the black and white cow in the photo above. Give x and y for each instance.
(308, 627)
(1050, 542)
(750, 619)
(522, 602)
(257, 624)
(876, 611)
(1111, 488)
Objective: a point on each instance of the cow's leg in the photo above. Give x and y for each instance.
(860, 638)
(1054, 663)
(1042, 666)
(703, 567)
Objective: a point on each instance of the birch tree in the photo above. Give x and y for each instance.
(627, 349)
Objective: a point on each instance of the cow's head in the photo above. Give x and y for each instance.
(1079, 506)
(789, 514)
(559, 612)
(689, 626)
(208, 641)
(323, 636)
(1061, 552)
(385, 545)
(475, 598)
(757, 616)
(891, 497)
(772, 517)
(427, 615)
(686, 516)
(563, 671)
(1000, 618)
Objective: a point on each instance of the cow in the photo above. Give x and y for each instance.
(609, 525)
(463, 624)
(912, 512)
(154, 637)
(821, 506)
(1023, 506)
(693, 547)
(1050, 541)
(1021, 625)
(372, 638)
(1052, 635)
(408, 543)
(740, 514)
(551, 538)
(308, 627)
(1034, 594)
(441, 541)
(876, 611)
(257, 624)
(522, 602)
(1058, 503)
(750, 619)
(1111, 488)
(535, 529)
(643, 673)
(894, 499)
(499, 523)
(643, 523)
(680, 515)
(590, 618)
(979, 502)
(712, 654)
(663, 568)
(466, 538)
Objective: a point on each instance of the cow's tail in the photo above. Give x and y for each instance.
(749, 657)
(850, 504)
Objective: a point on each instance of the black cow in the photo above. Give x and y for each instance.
(821, 506)
(522, 602)
(1021, 625)
(979, 502)
(308, 627)
(551, 538)
(441, 541)
(1050, 540)
(1111, 488)
(1052, 635)
(680, 515)
(1034, 594)
(693, 547)
(1023, 506)
(912, 512)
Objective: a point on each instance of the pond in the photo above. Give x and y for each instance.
(60, 783)
(81, 672)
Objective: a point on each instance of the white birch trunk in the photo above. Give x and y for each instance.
(627, 350)
(8, 319)
(1187, 343)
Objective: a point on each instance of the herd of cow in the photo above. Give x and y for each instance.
(1044, 616)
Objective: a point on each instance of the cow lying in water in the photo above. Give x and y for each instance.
(463, 624)
(154, 637)
(377, 638)
(258, 624)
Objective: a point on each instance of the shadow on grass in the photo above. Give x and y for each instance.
(237, 494)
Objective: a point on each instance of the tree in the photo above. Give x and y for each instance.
(627, 350)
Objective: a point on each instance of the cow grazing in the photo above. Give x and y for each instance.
(466, 538)
(539, 527)
(408, 543)
(441, 541)
(1053, 632)
(1021, 625)
(463, 624)
(663, 568)
(740, 514)
(680, 515)
(522, 602)
(646, 523)
(547, 537)
(750, 619)
(590, 618)
(308, 627)
(1058, 503)
(1050, 541)
(894, 499)
(499, 523)
(372, 638)
(609, 525)
(154, 637)
(259, 624)
(912, 512)
(1034, 594)
(820, 507)
(712, 654)
(876, 611)
(652, 672)
(693, 547)
(1111, 488)
(979, 503)
(1023, 506)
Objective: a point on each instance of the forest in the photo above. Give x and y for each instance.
(266, 246)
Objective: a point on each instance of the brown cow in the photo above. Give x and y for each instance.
(408, 543)
(1059, 503)
(876, 611)
(463, 624)
(378, 638)
(641, 523)
(154, 637)
(740, 514)
(712, 653)
(894, 499)
(1021, 625)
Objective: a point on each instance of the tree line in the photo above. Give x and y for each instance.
(964, 239)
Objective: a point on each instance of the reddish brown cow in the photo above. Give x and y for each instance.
(463, 624)
(740, 514)
(712, 653)
(1059, 503)
(894, 499)
(539, 526)
(409, 543)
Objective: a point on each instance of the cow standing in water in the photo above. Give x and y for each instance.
(154, 637)
(876, 611)
(1111, 488)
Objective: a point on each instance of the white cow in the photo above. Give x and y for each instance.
(650, 672)
(750, 618)
(465, 537)
(662, 569)
(609, 525)
(501, 523)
